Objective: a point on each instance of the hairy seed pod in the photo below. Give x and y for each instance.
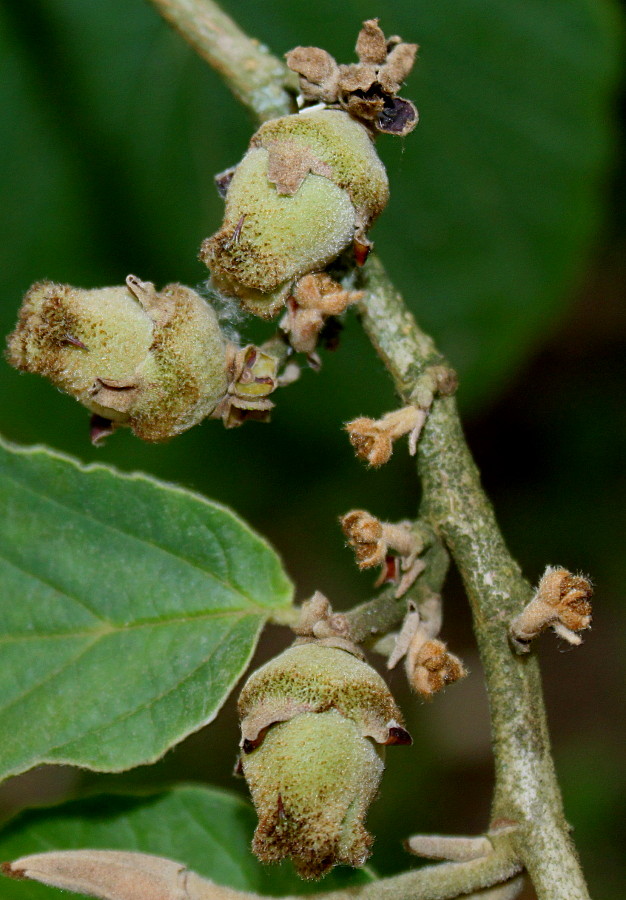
(154, 361)
(313, 724)
(309, 186)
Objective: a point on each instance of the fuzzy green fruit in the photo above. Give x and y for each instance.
(313, 722)
(155, 362)
(309, 186)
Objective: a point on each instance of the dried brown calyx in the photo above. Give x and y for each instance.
(562, 602)
(373, 439)
(252, 377)
(368, 89)
(313, 300)
(428, 663)
(395, 547)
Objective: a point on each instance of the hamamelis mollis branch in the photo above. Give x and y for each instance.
(254, 75)
(455, 506)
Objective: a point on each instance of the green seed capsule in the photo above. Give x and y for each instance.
(309, 186)
(155, 362)
(313, 722)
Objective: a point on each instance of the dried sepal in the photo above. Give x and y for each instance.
(562, 602)
(366, 90)
(394, 547)
(431, 667)
(318, 622)
(373, 439)
(154, 361)
(428, 663)
(252, 377)
(314, 299)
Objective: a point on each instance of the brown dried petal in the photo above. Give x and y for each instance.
(369, 442)
(356, 78)
(371, 45)
(397, 67)
(432, 667)
(318, 72)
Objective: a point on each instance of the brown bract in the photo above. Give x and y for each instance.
(373, 439)
(562, 602)
(366, 90)
(314, 298)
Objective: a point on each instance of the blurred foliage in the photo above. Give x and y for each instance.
(111, 133)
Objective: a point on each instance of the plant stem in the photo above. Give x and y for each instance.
(378, 616)
(256, 78)
(455, 506)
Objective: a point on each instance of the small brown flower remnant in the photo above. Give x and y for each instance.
(366, 90)
(314, 298)
(428, 663)
(253, 376)
(562, 602)
(373, 439)
(376, 543)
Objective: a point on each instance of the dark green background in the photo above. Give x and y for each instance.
(506, 233)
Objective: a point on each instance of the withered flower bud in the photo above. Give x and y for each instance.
(154, 361)
(309, 185)
(367, 90)
(312, 723)
(562, 602)
(373, 439)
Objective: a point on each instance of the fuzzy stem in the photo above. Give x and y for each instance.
(454, 503)
(256, 78)
(456, 506)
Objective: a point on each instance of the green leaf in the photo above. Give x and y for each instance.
(208, 831)
(129, 610)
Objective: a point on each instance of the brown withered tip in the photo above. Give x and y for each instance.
(100, 429)
(366, 90)
(399, 735)
(17, 874)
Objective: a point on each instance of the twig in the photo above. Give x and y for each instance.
(256, 78)
(454, 504)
